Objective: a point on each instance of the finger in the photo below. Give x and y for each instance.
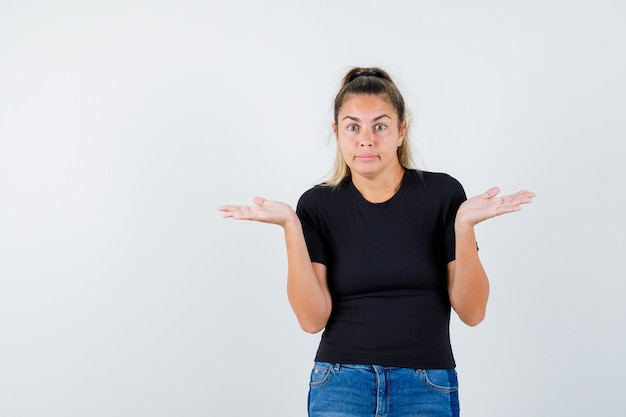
(259, 201)
(232, 212)
(230, 208)
(492, 192)
(226, 209)
(229, 214)
(522, 193)
(522, 197)
(245, 213)
(528, 196)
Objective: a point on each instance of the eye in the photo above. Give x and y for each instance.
(352, 128)
(380, 127)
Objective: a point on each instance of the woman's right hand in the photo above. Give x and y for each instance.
(307, 286)
(266, 211)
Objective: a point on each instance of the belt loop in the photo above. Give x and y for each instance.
(337, 366)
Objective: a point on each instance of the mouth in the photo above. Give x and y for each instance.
(366, 157)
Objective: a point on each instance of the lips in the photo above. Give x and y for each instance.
(366, 157)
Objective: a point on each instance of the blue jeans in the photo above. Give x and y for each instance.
(377, 391)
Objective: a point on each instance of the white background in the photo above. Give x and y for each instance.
(124, 124)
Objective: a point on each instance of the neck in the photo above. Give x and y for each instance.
(380, 188)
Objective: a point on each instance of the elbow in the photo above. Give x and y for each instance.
(313, 321)
(313, 325)
(473, 319)
(312, 328)
(473, 322)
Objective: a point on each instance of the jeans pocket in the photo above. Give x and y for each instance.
(441, 380)
(321, 373)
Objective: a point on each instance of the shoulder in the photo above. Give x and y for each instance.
(325, 191)
(320, 195)
(435, 180)
(316, 192)
(439, 188)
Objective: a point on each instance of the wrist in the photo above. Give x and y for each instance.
(462, 226)
(292, 222)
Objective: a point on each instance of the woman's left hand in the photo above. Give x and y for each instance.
(488, 205)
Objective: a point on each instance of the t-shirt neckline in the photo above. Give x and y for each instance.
(358, 197)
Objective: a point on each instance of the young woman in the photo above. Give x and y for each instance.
(377, 257)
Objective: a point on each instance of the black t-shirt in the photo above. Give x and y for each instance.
(386, 266)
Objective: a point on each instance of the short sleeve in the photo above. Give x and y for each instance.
(452, 196)
(308, 212)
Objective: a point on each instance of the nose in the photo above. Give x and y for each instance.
(365, 138)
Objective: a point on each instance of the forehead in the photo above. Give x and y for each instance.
(367, 105)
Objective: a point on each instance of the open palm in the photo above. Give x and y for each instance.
(488, 205)
(266, 211)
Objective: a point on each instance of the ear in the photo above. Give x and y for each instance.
(334, 126)
(402, 133)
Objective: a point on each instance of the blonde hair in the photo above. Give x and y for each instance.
(370, 81)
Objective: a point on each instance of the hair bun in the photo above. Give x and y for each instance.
(365, 74)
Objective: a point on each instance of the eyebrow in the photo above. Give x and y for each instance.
(375, 119)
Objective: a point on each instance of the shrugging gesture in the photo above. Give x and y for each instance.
(488, 205)
(468, 286)
(307, 287)
(397, 257)
(274, 212)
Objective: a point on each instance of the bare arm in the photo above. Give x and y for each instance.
(468, 286)
(307, 287)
